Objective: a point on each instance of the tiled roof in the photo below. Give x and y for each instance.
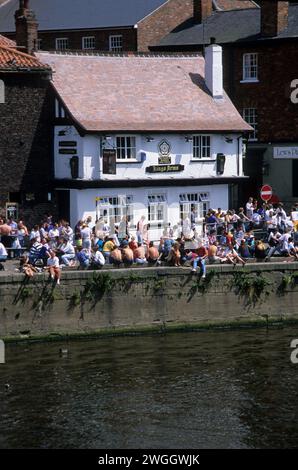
(11, 59)
(226, 27)
(140, 93)
(6, 42)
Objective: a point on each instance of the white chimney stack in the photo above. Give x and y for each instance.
(213, 69)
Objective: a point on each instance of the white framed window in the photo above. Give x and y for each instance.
(126, 148)
(59, 110)
(116, 43)
(250, 115)
(88, 42)
(250, 67)
(115, 208)
(199, 202)
(201, 146)
(157, 208)
(61, 44)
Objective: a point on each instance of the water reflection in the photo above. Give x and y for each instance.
(231, 389)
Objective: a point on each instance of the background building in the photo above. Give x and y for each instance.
(106, 25)
(260, 67)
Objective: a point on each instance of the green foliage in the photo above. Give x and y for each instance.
(289, 281)
(74, 300)
(158, 285)
(250, 287)
(97, 287)
(202, 285)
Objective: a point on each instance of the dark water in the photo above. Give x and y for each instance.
(230, 389)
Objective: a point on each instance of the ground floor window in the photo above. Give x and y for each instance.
(157, 208)
(115, 208)
(199, 202)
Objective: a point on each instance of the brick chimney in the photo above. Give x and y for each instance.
(201, 10)
(26, 28)
(274, 17)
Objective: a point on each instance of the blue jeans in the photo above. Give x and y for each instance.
(202, 264)
(3, 258)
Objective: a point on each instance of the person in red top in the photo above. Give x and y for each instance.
(133, 245)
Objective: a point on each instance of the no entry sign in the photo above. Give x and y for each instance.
(266, 193)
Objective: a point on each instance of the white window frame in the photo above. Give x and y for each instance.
(62, 48)
(250, 115)
(201, 147)
(118, 38)
(200, 201)
(116, 207)
(128, 150)
(157, 207)
(86, 40)
(250, 67)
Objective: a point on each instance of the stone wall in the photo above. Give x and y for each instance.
(26, 135)
(148, 299)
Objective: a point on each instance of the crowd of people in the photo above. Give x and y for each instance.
(226, 237)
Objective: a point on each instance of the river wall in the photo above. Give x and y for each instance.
(118, 301)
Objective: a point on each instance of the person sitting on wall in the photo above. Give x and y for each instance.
(152, 254)
(35, 253)
(3, 256)
(127, 255)
(107, 248)
(116, 256)
(97, 258)
(174, 258)
(53, 267)
(139, 254)
(83, 257)
(26, 267)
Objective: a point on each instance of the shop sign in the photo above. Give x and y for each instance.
(285, 152)
(164, 168)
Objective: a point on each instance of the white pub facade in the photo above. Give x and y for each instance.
(144, 136)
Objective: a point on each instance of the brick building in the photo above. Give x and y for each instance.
(25, 135)
(260, 75)
(101, 25)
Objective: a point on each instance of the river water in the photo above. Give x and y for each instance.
(220, 389)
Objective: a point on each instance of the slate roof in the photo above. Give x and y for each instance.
(106, 93)
(13, 60)
(227, 27)
(80, 14)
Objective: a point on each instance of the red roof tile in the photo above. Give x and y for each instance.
(11, 59)
(140, 93)
(6, 42)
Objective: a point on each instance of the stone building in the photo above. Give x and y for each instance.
(261, 77)
(26, 173)
(113, 26)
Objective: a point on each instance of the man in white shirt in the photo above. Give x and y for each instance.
(3, 252)
(249, 208)
(86, 237)
(68, 252)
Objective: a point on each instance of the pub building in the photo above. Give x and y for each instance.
(144, 135)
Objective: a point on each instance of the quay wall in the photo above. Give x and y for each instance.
(119, 301)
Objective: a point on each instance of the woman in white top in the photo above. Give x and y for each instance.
(3, 252)
(53, 267)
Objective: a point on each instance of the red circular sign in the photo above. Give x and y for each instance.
(266, 193)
